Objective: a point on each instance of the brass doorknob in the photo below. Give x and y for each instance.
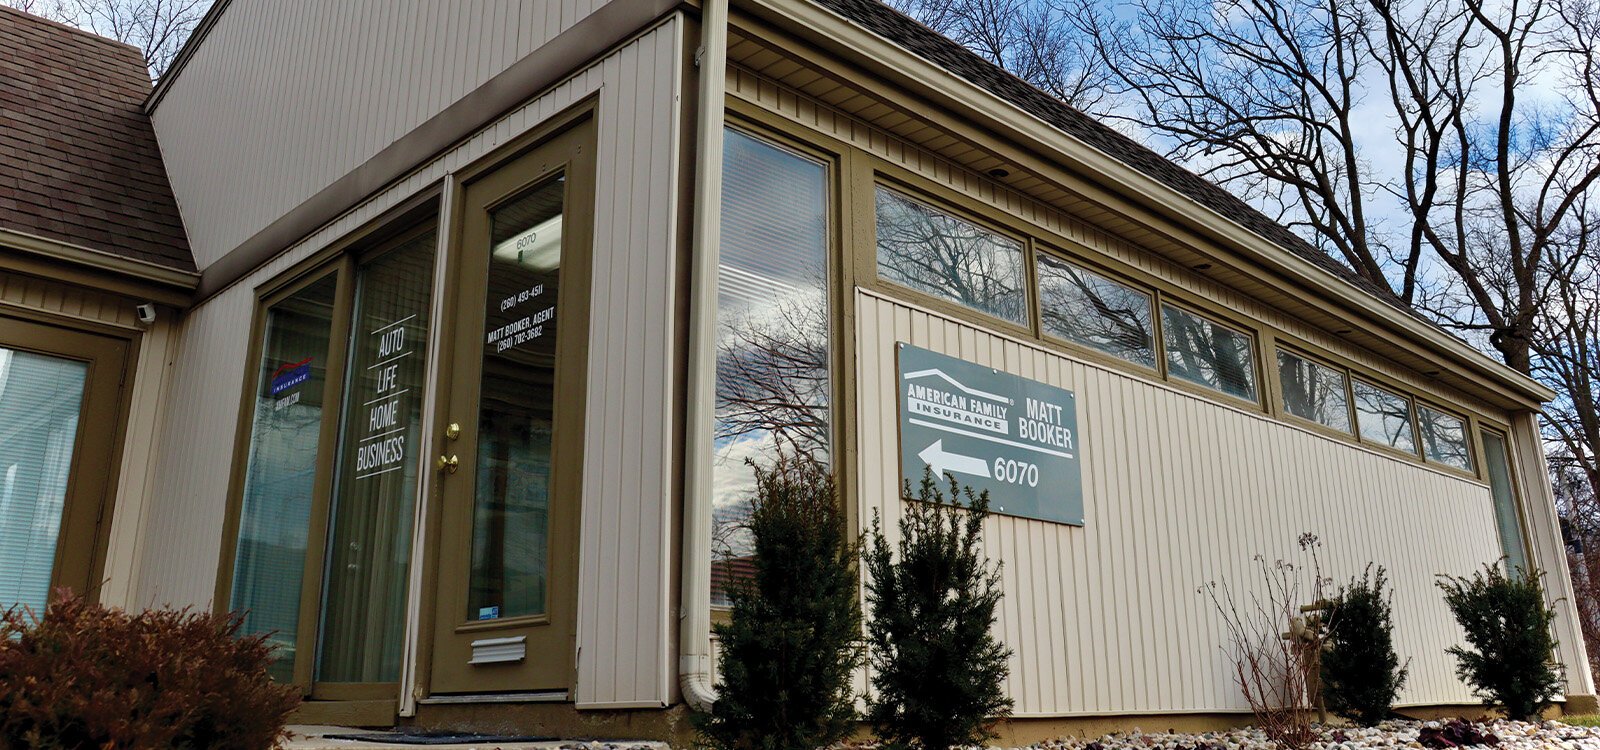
(447, 463)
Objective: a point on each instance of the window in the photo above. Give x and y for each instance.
(773, 381)
(1313, 391)
(1208, 354)
(369, 554)
(333, 444)
(281, 468)
(1089, 309)
(1508, 520)
(1444, 438)
(1384, 417)
(930, 251)
(511, 498)
(41, 400)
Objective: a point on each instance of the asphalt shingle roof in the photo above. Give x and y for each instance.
(918, 39)
(78, 157)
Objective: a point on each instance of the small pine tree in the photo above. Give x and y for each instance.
(1507, 624)
(936, 667)
(792, 644)
(1361, 674)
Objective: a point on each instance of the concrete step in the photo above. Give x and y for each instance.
(316, 737)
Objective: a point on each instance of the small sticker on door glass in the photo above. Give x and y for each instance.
(489, 613)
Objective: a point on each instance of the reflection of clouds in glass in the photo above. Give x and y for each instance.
(773, 383)
(772, 373)
(732, 487)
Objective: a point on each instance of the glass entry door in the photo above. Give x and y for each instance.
(512, 452)
(60, 393)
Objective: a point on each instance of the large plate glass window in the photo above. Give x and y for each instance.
(1089, 309)
(933, 252)
(1208, 353)
(1444, 438)
(369, 548)
(281, 468)
(1314, 391)
(328, 495)
(1384, 417)
(773, 380)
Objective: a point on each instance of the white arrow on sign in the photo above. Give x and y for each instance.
(941, 461)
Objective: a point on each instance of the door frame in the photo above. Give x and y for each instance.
(507, 176)
(112, 354)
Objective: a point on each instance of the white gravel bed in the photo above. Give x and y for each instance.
(1513, 735)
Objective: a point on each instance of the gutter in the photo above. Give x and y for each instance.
(694, 614)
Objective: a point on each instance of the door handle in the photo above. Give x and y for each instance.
(447, 464)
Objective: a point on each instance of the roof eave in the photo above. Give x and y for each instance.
(117, 274)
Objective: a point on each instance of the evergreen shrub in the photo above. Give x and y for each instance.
(937, 669)
(1361, 673)
(792, 643)
(1509, 659)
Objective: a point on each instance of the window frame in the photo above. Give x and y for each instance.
(843, 273)
(1252, 334)
(1415, 454)
(961, 208)
(861, 171)
(1468, 426)
(1044, 250)
(1354, 431)
(340, 260)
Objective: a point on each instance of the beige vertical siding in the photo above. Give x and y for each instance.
(1178, 491)
(283, 97)
(623, 602)
(627, 494)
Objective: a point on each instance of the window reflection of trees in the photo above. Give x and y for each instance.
(1208, 354)
(1091, 310)
(1314, 392)
(1444, 438)
(773, 384)
(938, 254)
(1384, 417)
(772, 402)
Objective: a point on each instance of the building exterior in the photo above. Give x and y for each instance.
(494, 299)
(93, 267)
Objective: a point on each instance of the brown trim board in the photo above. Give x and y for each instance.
(587, 40)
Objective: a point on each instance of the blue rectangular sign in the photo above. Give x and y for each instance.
(990, 430)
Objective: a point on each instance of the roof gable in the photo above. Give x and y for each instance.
(79, 163)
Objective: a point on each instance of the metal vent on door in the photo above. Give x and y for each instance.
(499, 650)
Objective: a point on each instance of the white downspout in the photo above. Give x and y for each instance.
(694, 617)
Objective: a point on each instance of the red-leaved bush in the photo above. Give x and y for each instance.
(87, 676)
